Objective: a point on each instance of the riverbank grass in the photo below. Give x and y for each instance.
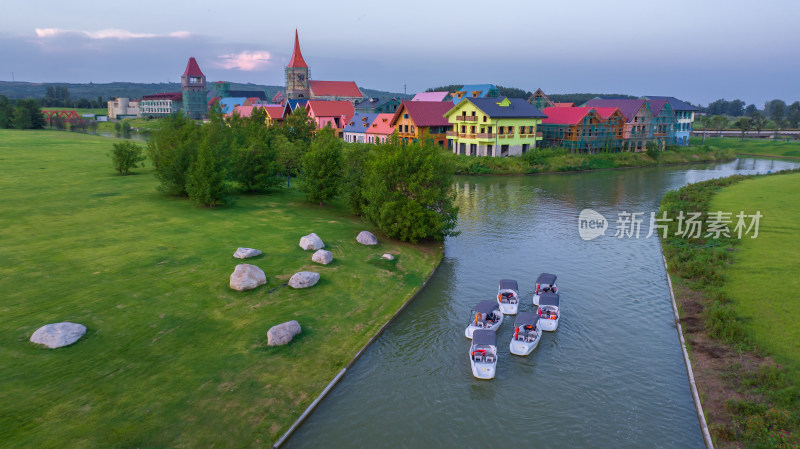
(554, 160)
(751, 147)
(172, 357)
(737, 300)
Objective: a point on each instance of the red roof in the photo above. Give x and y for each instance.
(339, 108)
(564, 115)
(605, 113)
(657, 105)
(275, 112)
(192, 69)
(564, 105)
(174, 96)
(297, 57)
(214, 100)
(424, 113)
(381, 125)
(335, 89)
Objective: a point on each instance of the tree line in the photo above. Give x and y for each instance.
(20, 114)
(404, 190)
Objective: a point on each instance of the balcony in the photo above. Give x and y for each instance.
(466, 118)
(486, 135)
(451, 134)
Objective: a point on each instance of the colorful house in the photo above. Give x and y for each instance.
(540, 100)
(380, 129)
(638, 119)
(684, 117)
(432, 96)
(664, 123)
(494, 126)
(583, 129)
(274, 112)
(378, 105)
(356, 129)
(415, 120)
(475, 91)
(333, 114)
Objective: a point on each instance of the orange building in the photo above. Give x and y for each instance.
(415, 120)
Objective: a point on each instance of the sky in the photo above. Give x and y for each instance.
(698, 50)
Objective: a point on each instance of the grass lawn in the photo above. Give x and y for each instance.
(752, 146)
(172, 357)
(764, 278)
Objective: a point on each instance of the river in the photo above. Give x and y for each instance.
(612, 375)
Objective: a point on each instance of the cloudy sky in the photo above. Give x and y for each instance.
(698, 50)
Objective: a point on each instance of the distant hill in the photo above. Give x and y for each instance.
(91, 91)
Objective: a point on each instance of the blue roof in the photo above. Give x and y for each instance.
(228, 103)
(356, 124)
(518, 108)
(469, 88)
(677, 105)
(294, 103)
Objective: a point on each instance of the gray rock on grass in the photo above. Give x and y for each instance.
(280, 334)
(56, 335)
(322, 256)
(387, 256)
(367, 238)
(304, 279)
(311, 241)
(244, 253)
(247, 277)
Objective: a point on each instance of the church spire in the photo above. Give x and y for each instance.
(297, 57)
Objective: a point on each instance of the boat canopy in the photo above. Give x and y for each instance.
(509, 284)
(487, 306)
(546, 278)
(484, 337)
(549, 299)
(526, 318)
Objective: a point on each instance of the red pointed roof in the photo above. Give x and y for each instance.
(424, 113)
(192, 69)
(297, 57)
(564, 116)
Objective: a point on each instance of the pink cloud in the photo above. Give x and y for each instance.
(245, 60)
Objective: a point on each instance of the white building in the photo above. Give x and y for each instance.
(123, 107)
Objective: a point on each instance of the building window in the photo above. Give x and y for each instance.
(488, 150)
(405, 115)
(484, 119)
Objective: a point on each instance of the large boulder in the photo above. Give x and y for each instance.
(247, 277)
(244, 253)
(304, 279)
(280, 334)
(322, 256)
(311, 241)
(367, 238)
(56, 335)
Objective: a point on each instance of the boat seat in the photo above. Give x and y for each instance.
(489, 359)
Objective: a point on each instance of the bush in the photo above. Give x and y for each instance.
(651, 148)
(125, 156)
(408, 194)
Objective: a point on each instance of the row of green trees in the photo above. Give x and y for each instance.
(20, 114)
(758, 122)
(402, 189)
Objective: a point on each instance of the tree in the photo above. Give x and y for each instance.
(299, 127)
(706, 121)
(206, 179)
(750, 110)
(322, 168)
(775, 110)
(126, 129)
(744, 125)
(793, 114)
(28, 115)
(720, 122)
(125, 156)
(408, 193)
(354, 160)
(736, 108)
(289, 155)
(255, 167)
(6, 113)
(758, 122)
(172, 151)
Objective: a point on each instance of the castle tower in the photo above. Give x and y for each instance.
(297, 76)
(193, 81)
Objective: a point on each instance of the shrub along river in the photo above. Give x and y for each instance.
(611, 376)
